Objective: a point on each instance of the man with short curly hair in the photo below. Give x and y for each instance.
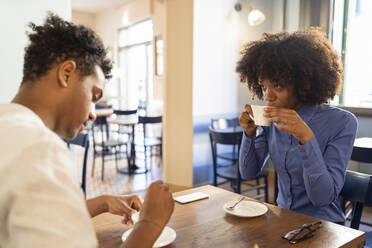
(308, 141)
(41, 204)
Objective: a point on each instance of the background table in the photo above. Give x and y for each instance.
(131, 121)
(205, 224)
(104, 112)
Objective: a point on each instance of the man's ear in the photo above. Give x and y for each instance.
(65, 71)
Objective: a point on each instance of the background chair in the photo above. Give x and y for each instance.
(119, 113)
(104, 144)
(358, 190)
(226, 155)
(361, 153)
(123, 133)
(232, 173)
(148, 140)
(82, 139)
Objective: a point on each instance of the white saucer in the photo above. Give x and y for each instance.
(246, 208)
(166, 237)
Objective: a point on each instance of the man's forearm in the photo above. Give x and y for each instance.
(96, 205)
(144, 235)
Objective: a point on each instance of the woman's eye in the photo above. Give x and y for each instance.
(277, 86)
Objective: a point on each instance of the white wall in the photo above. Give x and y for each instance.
(84, 18)
(14, 17)
(219, 34)
(273, 10)
(292, 15)
(177, 122)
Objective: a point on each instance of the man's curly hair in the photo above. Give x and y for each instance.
(57, 41)
(303, 59)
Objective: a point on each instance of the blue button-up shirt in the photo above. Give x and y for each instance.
(310, 176)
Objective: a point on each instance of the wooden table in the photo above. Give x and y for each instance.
(104, 112)
(205, 224)
(365, 142)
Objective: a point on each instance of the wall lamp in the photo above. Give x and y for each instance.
(255, 17)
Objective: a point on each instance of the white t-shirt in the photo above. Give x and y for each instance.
(41, 203)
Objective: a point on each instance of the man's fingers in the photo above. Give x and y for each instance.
(158, 182)
(137, 205)
(126, 209)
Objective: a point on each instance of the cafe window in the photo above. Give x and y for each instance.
(351, 37)
(135, 65)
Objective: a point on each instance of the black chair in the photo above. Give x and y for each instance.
(104, 145)
(125, 112)
(358, 190)
(228, 155)
(360, 154)
(146, 141)
(223, 123)
(82, 139)
(232, 173)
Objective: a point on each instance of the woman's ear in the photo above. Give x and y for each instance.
(65, 71)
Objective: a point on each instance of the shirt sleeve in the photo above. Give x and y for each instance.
(47, 209)
(253, 154)
(324, 174)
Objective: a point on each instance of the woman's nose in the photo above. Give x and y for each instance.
(269, 95)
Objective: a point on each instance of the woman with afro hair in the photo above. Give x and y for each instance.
(308, 141)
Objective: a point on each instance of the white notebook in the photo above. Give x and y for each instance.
(191, 197)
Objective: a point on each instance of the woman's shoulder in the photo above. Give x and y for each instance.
(335, 115)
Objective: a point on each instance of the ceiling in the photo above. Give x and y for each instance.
(93, 6)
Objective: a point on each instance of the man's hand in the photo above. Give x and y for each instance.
(246, 121)
(123, 205)
(291, 123)
(156, 211)
(158, 205)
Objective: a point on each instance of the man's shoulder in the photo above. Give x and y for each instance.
(21, 127)
(27, 145)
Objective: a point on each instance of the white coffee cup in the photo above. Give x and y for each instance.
(258, 116)
(135, 217)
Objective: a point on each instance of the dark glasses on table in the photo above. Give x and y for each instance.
(302, 233)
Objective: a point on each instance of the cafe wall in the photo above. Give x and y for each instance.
(219, 34)
(14, 17)
(84, 18)
(173, 21)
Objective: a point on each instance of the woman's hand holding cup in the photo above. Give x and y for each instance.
(246, 121)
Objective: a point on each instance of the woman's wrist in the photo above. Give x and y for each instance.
(250, 133)
(306, 138)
